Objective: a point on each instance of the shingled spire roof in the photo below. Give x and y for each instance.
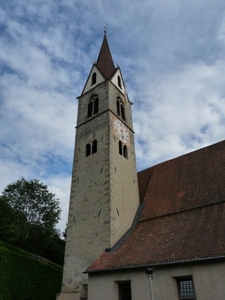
(105, 62)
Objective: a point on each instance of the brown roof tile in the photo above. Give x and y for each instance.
(105, 62)
(187, 181)
(184, 213)
(143, 182)
(180, 237)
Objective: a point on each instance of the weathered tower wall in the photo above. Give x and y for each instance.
(104, 189)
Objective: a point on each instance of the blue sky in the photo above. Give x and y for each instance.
(171, 54)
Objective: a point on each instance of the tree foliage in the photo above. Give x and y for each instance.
(33, 199)
(28, 216)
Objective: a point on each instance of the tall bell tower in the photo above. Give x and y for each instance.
(104, 189)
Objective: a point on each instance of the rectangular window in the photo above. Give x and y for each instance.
(124, 290)
(186, 289)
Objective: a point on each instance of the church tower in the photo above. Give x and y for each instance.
(104, 189)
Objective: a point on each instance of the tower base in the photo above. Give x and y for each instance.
(69, 296)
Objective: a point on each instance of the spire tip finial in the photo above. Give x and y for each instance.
(104, 28)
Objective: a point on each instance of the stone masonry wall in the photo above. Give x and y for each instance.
(104, 191)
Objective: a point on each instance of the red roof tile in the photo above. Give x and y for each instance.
(188, 181)
(184, 213)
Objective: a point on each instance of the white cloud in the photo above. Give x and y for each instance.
(172, 58)
(183, 112)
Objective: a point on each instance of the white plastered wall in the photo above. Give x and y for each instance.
(208, 280)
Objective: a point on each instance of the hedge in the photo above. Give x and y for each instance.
(23, 277)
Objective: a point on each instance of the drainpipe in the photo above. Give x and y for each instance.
(149, 272)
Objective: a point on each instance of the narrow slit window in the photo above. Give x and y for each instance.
(88, 149)
(94, 147)
(120, 148)
(96, 106)
(125, 152)
(118, 107)
(90, 104)
(119, 81)
(94, 78)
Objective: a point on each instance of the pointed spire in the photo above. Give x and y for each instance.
(105, 62)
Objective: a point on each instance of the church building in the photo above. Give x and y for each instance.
(156, 234)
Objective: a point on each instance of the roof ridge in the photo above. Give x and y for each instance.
(179, 211)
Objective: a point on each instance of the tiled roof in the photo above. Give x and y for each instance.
(184, 213)
(105, 62)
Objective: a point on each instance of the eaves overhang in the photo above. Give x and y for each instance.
(158, 264)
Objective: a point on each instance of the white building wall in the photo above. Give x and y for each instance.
(208, 280)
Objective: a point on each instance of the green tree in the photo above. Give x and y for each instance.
(33, 199)
(12, 223)
(29, 214)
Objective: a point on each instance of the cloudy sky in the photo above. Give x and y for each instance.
(172, 56)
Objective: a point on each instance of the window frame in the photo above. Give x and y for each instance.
(93, 106)
(124, 290)
(120, 148)
(88, 149)
(123, 151)
(94, 78)
(91, 148)
(94, 146)
(186, 292)
(120, 108)
(119, 81)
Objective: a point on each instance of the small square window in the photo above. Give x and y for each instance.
(186, 289)
(124, 290)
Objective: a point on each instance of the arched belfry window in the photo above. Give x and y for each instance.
(94, 78)
(122, 112)
(96, 105)
(123, 150)
(91, 148)
(119, 81)
(90, 109)
(93, 106)
(120, 108)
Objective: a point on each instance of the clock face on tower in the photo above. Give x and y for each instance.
(121, 131)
